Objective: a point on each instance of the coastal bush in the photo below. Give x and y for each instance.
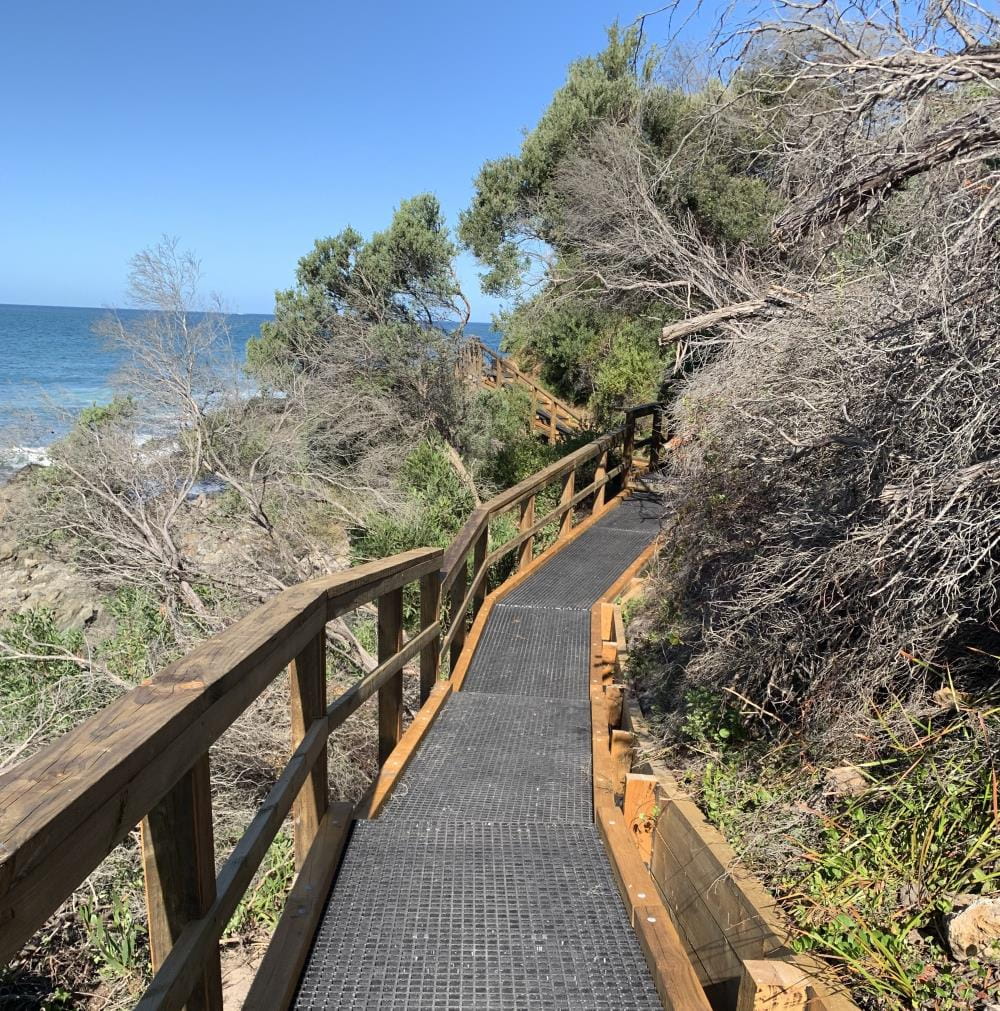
(118, 409)
(45, 683)
(501, 440)
(143, 639)
(644, 193)
(870, 875)
(437, 503)
(630, 372)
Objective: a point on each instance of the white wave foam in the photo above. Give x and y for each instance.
(16, 457)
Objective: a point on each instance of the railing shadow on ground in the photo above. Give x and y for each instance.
(144, 759)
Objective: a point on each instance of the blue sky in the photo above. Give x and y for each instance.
(250, 128)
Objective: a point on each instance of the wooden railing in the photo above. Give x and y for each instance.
(551, 417)
(145, 758)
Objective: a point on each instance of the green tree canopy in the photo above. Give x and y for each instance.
(622, 157)
(513, 203)
(389, 288)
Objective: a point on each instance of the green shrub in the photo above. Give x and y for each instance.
(142, 635)
(710, 720)
(438, 503)
(119, 409)
(630, 372)
(43, 688)
(506, 449)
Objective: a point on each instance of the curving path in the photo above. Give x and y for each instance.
(484, 884)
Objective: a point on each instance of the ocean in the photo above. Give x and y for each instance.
(52, 364)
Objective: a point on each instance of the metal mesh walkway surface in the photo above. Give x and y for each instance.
(484, 884)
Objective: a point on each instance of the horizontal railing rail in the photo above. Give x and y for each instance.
(144, 759)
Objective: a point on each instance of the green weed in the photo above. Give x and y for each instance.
(114, 935)
(261, 907)
(711, 720)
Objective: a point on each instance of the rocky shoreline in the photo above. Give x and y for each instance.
(31, 579)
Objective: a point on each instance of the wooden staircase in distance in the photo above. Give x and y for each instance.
(552, 418)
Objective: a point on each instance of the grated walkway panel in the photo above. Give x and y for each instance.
(528, 651)
(483, 885)
(501, 758)
(577, 575)
(475, 917)
(641, 513)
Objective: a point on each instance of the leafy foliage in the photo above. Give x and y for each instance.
(42, 684)
(142, 638)
(437, 503)
(261, 906)
(115, 936)
(513, 200)
(395, 286)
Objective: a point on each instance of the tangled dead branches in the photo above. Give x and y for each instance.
(838, 513)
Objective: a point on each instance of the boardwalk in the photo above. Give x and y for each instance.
(483, 884)
(513, 852)
(476, 873)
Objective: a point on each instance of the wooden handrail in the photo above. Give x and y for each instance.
(458, 550)
(501, 362)
(65, 808)
(454, 566)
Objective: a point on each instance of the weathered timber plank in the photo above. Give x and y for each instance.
(454, 640)
(600, 479)
(277, 976)
(622, 756)
(674, 974)
(178, 862)
(390, 695)
(615, 694)
(173, 982)
(65, 808)
(430, 655)
(361, 691)
(307, 702)
(526, 523)
(641, 809)
(772, 986)
(479, 567)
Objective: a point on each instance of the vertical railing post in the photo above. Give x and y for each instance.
(178, 861)
(478, 558)
(656, 446)
(600, 475)
(628, 449)
(568, 491)
(390, 695)
(527, 551)
(430, 612)
(553, 424)
(307, 703)
(458, 613)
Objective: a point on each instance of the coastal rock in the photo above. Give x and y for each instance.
(974, 932)
(845, 781)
